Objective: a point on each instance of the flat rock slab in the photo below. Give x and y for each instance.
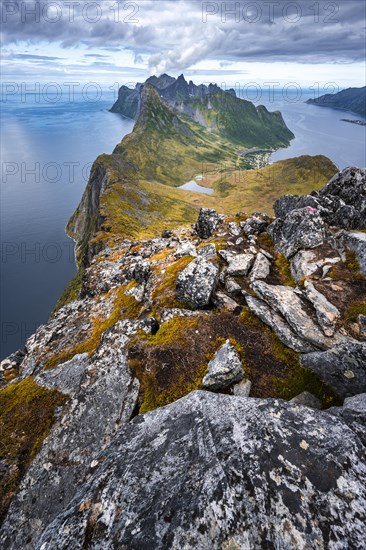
(343, 368)
(287, 301)
(218, 472)
(326, 313)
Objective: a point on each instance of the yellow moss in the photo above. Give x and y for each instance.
(358, 308)
(125, 307)
(353, 265)
(174, 331)
(283, 265)
(26, 416)
(164, 294)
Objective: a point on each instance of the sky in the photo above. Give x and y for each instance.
(115, 42)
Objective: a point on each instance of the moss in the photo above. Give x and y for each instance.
(299, 379)
(164, 295)
(284, 268)
(352, 312)
(26, 416)
(353, 265)
(70, 293)
(173, 331)
(125, 307)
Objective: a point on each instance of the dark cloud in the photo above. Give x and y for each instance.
(178, 33)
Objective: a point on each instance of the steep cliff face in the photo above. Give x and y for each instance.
(257, 310)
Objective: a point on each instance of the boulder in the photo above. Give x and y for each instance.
(261, 267)
(326, 313)
(301, 229)
(197, 282)
(234, 229)
(231, 286)
(254, 226)
(341, 202)
(356, 241)
(221, 301)
(208, 252)
(224, 369)
(287, 301)
(208, 222)
(279, 326)
(343, 367)
(242, 389)
(105, 401)
(218, 472)
(185, 249)
(307, 399)
(240, 265)
(306, 262)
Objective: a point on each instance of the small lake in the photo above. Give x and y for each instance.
(193, 185)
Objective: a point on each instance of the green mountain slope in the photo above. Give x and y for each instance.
(352, 99)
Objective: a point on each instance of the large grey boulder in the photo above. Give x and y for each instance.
(197, 282)
(343, 367)
(219, 472)
(341, 202)
(302, 228)
(208, 222)
(224, 369)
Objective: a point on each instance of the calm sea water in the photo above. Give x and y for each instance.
(46, 151)
(46, 154)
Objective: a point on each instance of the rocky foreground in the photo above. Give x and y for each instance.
(149, 413)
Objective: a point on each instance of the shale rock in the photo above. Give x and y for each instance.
(225, 369)
(343, 367)
(196, 283)
(327, 314)
(216, 471)
(261, 267)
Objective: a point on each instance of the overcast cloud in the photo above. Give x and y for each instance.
(174, 35)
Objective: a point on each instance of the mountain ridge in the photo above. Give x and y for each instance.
(350, 99)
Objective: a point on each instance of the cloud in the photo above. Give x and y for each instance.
(173, 35)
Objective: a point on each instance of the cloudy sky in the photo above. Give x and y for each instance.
(109, 41)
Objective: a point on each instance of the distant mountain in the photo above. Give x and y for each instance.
(352, 99)
(219, 111)
(171, 89)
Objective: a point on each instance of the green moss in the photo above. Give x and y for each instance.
(26, 417)
(70, 293)
(353, 265)
(164, 294)
(173, 331)
(284, 268)
(352, 312)
(299, 379)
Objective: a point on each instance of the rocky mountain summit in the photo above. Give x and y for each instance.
(206, 389)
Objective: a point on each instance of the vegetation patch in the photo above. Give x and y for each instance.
(26, 416)
(125, 307)
(284, 270)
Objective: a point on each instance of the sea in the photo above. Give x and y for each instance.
(47, 149)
